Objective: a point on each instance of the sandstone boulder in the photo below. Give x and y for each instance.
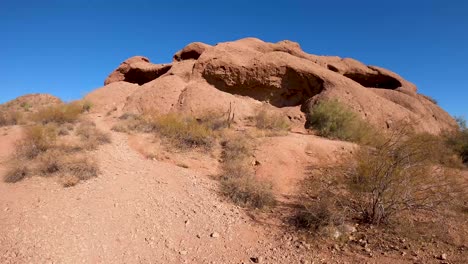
(249, 73)
(191, 51)
(137, 70)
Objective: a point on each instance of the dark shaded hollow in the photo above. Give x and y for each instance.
(332, 68)
(141, 77)
(296, 88)
(189, 55)
(374, 80)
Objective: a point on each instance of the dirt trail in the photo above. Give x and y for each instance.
(136, 211)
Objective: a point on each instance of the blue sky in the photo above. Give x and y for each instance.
(67, 48)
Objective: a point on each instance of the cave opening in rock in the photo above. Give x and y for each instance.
(141, 77)
(293, 88)
(374, 80)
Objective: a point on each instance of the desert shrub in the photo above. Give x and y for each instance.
(60, 114)
(401, 175)
(26, 106)
(122, 128)
(74, 169)
(37, 139)
(248, 191)
(236, 147)
(184, 132)
(81, 167)
(69, 180)
(237, 179)
(8, 118)
(458, 140)
(86, 106)
(276, 123)
(49, 162)
(431, 99)
(314, 215)
(15, 173)
(91, 136)
(334, 120)
(323, 203)
(215, 120)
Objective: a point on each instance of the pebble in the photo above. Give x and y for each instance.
(214, 235)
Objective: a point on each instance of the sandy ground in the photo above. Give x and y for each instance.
(136, 211)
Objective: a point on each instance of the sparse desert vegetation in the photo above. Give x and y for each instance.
(332, 119)
(239, 152)
(10, 117)
(405, 179)
(238, 182)
(273, 124)
(458, 140)
(48, 148)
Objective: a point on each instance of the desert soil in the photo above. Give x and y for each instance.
(136, 211)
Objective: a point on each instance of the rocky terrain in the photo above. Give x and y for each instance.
(154, 203)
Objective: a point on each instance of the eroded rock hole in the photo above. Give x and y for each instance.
(141, 77)
(332, 68)
(374, 80)
(293, 89)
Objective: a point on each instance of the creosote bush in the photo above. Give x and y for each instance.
(324, 204)
(402, 175)
(458, 140)
(332, 119)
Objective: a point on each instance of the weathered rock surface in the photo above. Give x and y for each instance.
(191, 51)
(137, 70)
(248, 73)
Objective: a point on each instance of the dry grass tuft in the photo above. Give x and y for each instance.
(60, 114)
(184, 132)
(9, 118)
(248, 191)
(274, 124)
(91, 136)
(16, 173)
(41, 153)
(81, 167)
(238, 182)
(38, 139)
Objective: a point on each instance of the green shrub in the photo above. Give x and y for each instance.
(458, 141)
(334, 120)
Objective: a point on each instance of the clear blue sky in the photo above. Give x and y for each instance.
(67, 48)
